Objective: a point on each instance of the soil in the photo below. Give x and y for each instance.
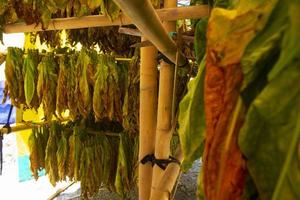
(186, 189)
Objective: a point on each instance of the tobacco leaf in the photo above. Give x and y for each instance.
(33, 149)
(229, 32)
(114, 109)
(84, 93)
(100, 90)
(110, 9)
(127, 167)
(200, 39)
(263, 50)
(131, 98)
(62, 83)
(30, 78)
(192, 127)
(270, 137)
(51, 166)
(72, 86)
(62, 155)
(93, 4)
(47, 83)
(14, 76)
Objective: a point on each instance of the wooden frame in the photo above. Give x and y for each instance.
(168, 14)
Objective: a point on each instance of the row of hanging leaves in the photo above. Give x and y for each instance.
(69, 151)
(82, 82)
(42, 11)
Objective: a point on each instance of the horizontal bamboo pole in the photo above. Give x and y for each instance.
(27, 126)
(21, 127)
(169, 14)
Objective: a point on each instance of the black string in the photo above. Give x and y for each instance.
(148, 158)
(161, 56)
(161, 163)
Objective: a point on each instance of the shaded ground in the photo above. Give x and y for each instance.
(186, 190)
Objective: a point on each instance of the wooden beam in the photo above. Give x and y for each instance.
(167, 14)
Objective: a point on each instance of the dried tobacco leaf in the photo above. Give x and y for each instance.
(62, 83)
(131, 98)
(127, 168)
(224, 166)
(14, 76)
(51, 166)
(100, 89)
(47, 83)
(33, 149)
(114, 109)
(84, 93)
(109, 8)
(72, 86)
(62, 155)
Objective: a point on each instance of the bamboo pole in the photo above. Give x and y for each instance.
(169, 177)
(164, 116)
(189, 12)
(143, 15)
(148, 114)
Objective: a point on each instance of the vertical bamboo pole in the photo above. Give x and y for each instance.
(148, 114)
(164, 115)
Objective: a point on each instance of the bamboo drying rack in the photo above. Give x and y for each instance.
(143, 15)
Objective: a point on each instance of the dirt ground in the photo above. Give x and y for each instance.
(186, 190)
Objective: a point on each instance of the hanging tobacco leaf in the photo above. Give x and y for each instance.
(83, 92)
(30, 72)
(47, 83)
(100, 89)
(114, 109)
(131, 99)
(200, 39)
(62, 154)
(14, 76)
(33, 149)
(127, 165)
(191, 127)
(72, 86)
(270, 137)
(224, 166)
(62, 83)
(110, 9)
(51, 166)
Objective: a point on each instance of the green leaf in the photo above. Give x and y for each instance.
(262, 53)
(270, 137)
(200, 39)
(192, 120)
(29, 83)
